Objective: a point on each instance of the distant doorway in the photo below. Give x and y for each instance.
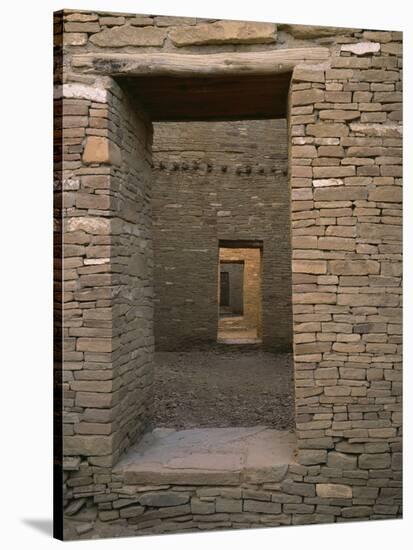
(240, 275)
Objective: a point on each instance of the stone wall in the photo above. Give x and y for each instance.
(218, 181)
(345, 177)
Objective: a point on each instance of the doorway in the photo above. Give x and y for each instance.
(240, 294)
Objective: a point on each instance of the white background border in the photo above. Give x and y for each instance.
(26, 270)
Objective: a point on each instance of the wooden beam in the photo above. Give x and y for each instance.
(178, 65)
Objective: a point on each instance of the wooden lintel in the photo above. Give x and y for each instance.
(177, 64)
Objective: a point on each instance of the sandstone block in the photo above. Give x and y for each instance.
(308, 32)
(333, 490)
(159, 499)
(309, 266)
(386, 194)
(228, 505)
(95, 226)
(132, 511)
(303, 151)
(339, 114)
(381, 130)
(356, 512)
(262, 507)
(330, 182)
(202, 507)
(327, 172)
(101, 345)
(314, 298)
(306, 97)
(361, 48)
(377, 461)
(308, 75)
(311, 456)
(347, 193)
(94, 400)
(81, 91)
(297, 488)
(327, 130)
(82, 27)
(74, 39)
(111, 21)
(88, 445)
(101, 150)
(379, 231)
(341, 461)
(334, 151)
(224, 32)
(127, 35)
(354, 267)
(336, 243)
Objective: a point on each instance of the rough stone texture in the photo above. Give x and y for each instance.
(346, 290)
(126, 35)
(307, 32)
(224, 32)
(99, 150)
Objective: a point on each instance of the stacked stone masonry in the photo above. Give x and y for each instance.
(345, 175)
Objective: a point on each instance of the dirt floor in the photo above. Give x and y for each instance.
(223, 388)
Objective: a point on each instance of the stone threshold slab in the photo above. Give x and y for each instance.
(209, 456)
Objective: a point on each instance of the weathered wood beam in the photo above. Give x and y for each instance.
(172, 64)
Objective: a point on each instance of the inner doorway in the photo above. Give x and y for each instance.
(240, 294)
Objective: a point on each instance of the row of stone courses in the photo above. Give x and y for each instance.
(307, 494)
(346, 239)
(346, 234)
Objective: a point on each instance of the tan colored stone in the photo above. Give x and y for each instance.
(378, 36)
(381, 130)
(386, 194)
(336, 243)
(101, 150)
(379, 231)
(309, 266)
(354, 267)
(82, 27)
(327, 172)
(81, 91)
(314, 298)
(81, 17)
(338, 97)
(102, 345)
(331, 182)
(339, 114)
(308, 75)
(95, 202)
(88, 445)
(306, 32)
(126, 35)
(224, 32)
(306, 97)
(172, 21)
(111, 21)
(74, 38)
(345, 193)
(94, 400)
(323, 129)
(333, 490)
(141, 21)
(303, 151)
